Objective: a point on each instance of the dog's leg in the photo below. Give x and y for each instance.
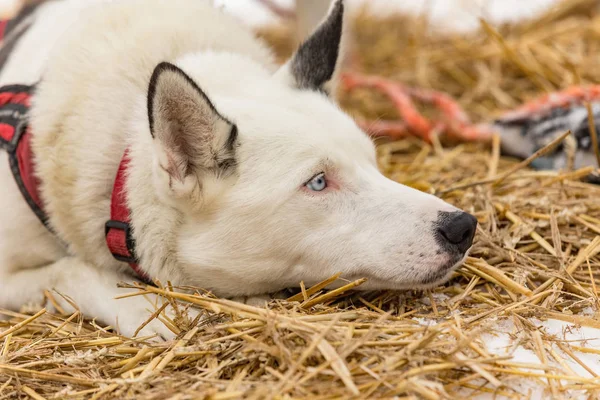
(92, 289)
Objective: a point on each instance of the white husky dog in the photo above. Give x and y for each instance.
(239, 177)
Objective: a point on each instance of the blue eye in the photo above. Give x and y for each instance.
(318, 183)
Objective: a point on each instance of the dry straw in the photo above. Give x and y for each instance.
(536, 256)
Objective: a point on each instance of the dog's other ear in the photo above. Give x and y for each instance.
(314, 65)
(191, 138)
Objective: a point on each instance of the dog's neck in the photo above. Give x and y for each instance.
(154, 223)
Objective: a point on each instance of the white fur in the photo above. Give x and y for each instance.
(255, 231)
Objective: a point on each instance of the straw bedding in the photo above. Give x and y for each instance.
(535, 258)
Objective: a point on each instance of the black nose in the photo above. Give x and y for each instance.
(457, 229)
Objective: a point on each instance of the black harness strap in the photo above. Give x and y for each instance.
(15, 138)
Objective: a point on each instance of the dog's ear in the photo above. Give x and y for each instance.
(314, 65)
(191, 138)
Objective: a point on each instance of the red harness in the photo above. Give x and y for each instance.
(15, 138)
(117, 230)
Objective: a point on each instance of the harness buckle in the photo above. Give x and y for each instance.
(115, 244)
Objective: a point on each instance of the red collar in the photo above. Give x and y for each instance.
(118, 229)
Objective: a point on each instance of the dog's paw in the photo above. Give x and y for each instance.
(261, 300)
(134, 321)
(255, 301)
(135, 324)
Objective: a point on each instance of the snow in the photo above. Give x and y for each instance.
(4, 4)
(507, 340)
(459, 15)
(577, 336)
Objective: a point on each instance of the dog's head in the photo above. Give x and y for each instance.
(274, 184)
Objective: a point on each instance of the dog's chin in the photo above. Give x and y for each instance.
(442, 275)
(433, 279)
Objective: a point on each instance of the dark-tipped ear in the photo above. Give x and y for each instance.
(314, 64)
(190, 134)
